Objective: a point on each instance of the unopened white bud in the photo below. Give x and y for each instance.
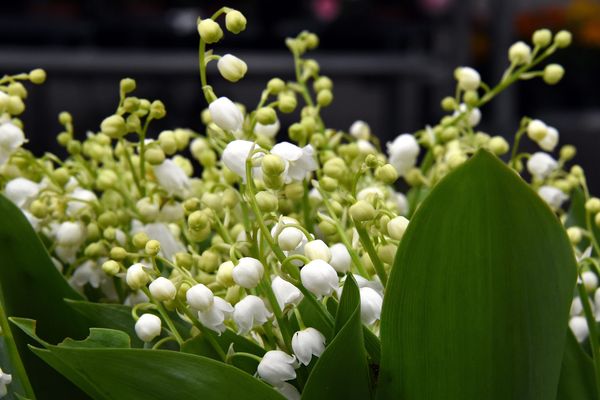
(162, 289)
(232, 68)
(519, 53)
(317, 250)
(136, 276)
(226, 114)
(360, 130)
(248, 272)
(199, 297)
(468, 78)
(210, 31)
(319, 277)
(396, 227)
(290, 238)
(579, 328)
(370, 305)
(340, 258)
(147, 327)
(590, 281)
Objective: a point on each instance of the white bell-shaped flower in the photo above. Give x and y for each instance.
(70, 234)
(579, 327)
(250, 312)
(172, 178)
(549, 142)
(226, 114)
(236, 153)
(370, 305)
(147, 327)
(403, 153)
(11, 138)
(199, 297)
(540, 165)
(21, 191)
(290, 238)
(276, 367)
(288, 391)
(248, 272)
(269, 130)
(79, 198)
(553, 196)
(162, 289)
(340, 258)
(286, 293)
(317, 250)
(468, 78)
(319, 277)
(360, 130)
(299, 161)
(215, 316)
(396, 227)
(5, 379)
(306, 343)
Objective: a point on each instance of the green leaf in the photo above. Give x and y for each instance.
(477, 301)
(100, 337)
(576, 217)
(31, 286)
(342, 371)
(577, 379)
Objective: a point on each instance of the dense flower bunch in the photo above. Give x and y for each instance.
(242, 233)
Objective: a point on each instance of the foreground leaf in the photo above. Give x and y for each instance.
(32, 287)
(577, 379)
(477, 302)
(342, 371)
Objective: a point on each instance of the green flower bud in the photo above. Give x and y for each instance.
(235, 22)
(230, 198)
(225, 274)
(119, 253)
(232, 68)
(335, 168)
(563, 39)
(95, 250)
(38, 209)
(597, 220)
(413, 177)
(317, 140)
(322, 83)
(449, 133)
(37, 76)
(311, 67)
(267, 202)
(106, 179)
(167, 142)
(329, 184)
(210, 31)
(157, 109)
(133, 123)
(198, 220)
(448, 104)
(275, 86)
(274, 182)
(553, 73)
(324, 98)
(111, 267)
(155, 155)
(92, 231)
(209, 261)
(574, 234)
(208, 158)
(519, 53)
(311, 40)
(213, 201)
(61, 176)
(387, 253)
(139, 240)
(542, 37)
(593, 205)
(387, 174)
(152, 247)
(577, 171)
(567, 152)
(17, 89)
(182, 138)
(113, 126)
(127, 85)
(272, 165)
(131, 104)
(498, 145)
(294, 190)
(15, 105)
(107, 218)
(199, 235)
(266, 116)
(287, 103)
(471, 98)
(362, 211)
(296, 132)
(65, 118)
(327, 227)
(184, 260)
(192, 204)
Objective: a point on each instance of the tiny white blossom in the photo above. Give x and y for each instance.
(269, 130)
(214, 317)
(162, 289)
(365, 147)
(306, 343)
(11, 138)
(403, 153)
(370, 305)
(317, 250)
(236, 153)
(226, 114)
(288, 391)
(21, 191)
(396, 227)
(232, 68)
(172, 178)
(147, 327)
(473, 117)
(468, 78)
(136, 276)
(579, 328)
(79, 199)
(87, 273)
(290, 238)
(340, 258)
(360, 130)
(541, 165)
(5, 379)
(549, 142)
(553, 196)
(299, 161)
(70, 234)
(319, 277)
(248, 272)
(286, 293)
(199, 297)
(590, 280)
(276, 367)
(249, 313)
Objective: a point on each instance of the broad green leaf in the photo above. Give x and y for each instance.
(32, 287)
(577, 379)
(477, 302)
(342, 371)
(200, 345)
(100, 337)
(312, 317)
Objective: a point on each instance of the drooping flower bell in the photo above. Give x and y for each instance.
(147, 327)
(276, 367)
(250, 312)
(226, 114)
(306, 343)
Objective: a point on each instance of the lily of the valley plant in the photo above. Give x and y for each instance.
(227, 262)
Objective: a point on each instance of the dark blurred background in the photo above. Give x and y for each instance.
(391, 61)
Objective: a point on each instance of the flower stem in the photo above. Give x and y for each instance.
(365, 240)
(591, 322)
